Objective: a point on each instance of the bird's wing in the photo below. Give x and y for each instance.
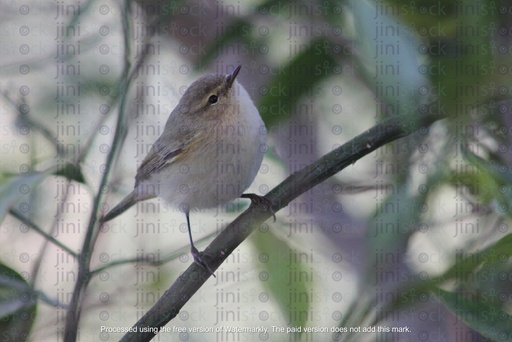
(159, 156)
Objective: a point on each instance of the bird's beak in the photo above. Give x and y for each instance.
(231, 77)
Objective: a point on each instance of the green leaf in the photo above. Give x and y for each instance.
(236, 30)
(486, 260)
(390, 60)
(296, 79)
(486, 180)
(501, 250)
(289, 280)
(489, 320)
(12, 187)
(17, 306)
(71, 172)
(457, 47)
(396, 219)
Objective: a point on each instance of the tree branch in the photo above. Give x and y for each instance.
(169, 305)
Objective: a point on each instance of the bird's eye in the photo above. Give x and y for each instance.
(213, 99)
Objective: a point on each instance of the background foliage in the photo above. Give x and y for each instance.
(416, 236)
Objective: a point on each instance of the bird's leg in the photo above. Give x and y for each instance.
(193, 250)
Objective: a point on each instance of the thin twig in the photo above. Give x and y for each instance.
(84, 273)
(41, 232)
(84, 276)
(24, 119)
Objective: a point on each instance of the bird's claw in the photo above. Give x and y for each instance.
(262, 202)
(198, 259)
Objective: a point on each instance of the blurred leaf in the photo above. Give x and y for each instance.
(275, 7)
(237, 29)
(71, 172)
(459, 38)
(479, 184)
(501, 250)
(461, 273)
(486, 180)
(288, 278)
(296, 79)
(396, 219)
(390, 57)
(17, 306)
(14, 187)
(479, 315)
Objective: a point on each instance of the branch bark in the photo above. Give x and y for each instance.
(169, 305)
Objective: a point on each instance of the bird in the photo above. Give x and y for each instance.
(208, 154)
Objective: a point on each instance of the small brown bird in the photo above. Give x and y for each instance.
(208, 154)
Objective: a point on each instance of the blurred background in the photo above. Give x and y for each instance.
(408, 244)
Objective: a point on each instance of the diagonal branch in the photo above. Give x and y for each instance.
(224, 244)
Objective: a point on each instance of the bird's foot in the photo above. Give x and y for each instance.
(262, 202)
(198, 259)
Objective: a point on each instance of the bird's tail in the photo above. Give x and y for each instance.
(124, 205)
